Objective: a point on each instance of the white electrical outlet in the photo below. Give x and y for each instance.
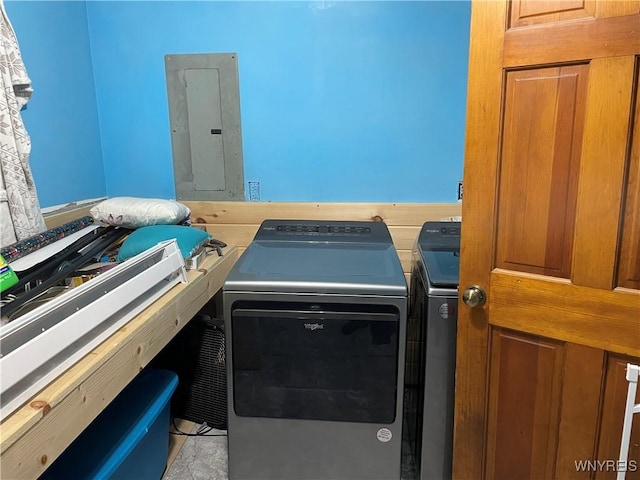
(254, 191)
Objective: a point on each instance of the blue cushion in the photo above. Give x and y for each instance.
(189, 239)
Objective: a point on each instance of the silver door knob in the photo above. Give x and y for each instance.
(474, 296)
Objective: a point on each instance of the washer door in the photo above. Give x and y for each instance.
(315, 361)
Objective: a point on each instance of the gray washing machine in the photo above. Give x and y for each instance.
(315, 316)
(431, 346)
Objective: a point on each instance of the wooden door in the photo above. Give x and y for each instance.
(551, 231)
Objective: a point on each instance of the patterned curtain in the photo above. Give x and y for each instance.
(20, 215)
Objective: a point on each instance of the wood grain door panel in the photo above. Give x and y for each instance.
(542, 141)
(524, 405)
(543, 407)
(525, 13)
(617, 8)
(629, 259)
(602, 169)
(535, 12)
(579, 416)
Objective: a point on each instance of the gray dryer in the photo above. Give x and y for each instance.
(315, 316)
(431, 346)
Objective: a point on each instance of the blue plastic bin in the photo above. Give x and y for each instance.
(129, 440)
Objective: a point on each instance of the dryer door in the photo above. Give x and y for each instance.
(315, 361)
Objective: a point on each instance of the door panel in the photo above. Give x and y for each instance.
(202, 88)
(204, 114)
(602, 169)
(629, 259)
(617, 8)
(525, 13)
(543, 406)
(579, 423)
(550, 228)
(544, 116)
(524, 404)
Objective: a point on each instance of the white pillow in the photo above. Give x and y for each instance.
(133, 212)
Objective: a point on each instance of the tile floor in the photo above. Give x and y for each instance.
(201, 458)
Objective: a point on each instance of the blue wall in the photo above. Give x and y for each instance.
(340, 101)
(62, 117)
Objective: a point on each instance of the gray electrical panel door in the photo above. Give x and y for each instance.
(206, 139)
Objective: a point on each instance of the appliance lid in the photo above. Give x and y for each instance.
(442, 266)
(319, 268)
(439, 247)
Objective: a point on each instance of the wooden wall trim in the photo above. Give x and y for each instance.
(390, 213)
(237, 222)
(67, 214)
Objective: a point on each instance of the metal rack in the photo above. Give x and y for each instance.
(633, 372)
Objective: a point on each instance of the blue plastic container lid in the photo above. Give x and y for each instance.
(112, 436)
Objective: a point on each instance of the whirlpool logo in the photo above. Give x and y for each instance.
(314, 326)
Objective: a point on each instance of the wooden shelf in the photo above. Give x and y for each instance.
(38, 432)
